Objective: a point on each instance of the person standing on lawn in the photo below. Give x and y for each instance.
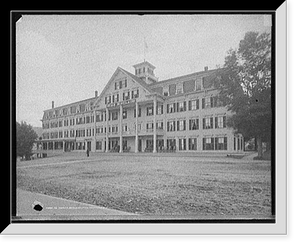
(87, 152)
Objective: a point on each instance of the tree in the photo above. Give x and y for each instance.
(245, 87)
(26, 136)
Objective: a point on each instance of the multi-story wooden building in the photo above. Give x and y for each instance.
(181, 114)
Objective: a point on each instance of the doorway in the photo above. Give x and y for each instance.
(89, 145)
(140, 145)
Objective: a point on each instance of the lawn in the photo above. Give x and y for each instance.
(155, 185)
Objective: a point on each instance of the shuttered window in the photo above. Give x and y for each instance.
(172, 89)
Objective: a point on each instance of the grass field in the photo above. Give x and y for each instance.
(154, 185)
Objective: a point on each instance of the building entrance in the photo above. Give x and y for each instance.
(140, 145)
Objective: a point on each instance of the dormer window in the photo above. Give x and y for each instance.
(179, 88)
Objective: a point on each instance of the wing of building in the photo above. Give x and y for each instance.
(139, 113)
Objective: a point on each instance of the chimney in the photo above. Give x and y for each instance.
(206, 68)
(52, 104)
(96, 93)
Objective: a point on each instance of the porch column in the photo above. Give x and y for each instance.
(136, 127)
(107, 115)
(154, 124)
(121, 128)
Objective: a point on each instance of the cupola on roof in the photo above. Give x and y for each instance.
(145, 71)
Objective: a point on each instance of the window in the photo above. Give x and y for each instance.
(98, 145)
(220, 122)
(171, 144)
(107, 99)
(181, 106)
(160, 125)
(97, 117)
(171, 107)
(115, 98)
(166, 93)
(135, 93)
(208, 144)
(199, 84)
(80, 145)
(208, 123)
(114, 129)
(139, 126)
(194, 104)
(150, 110)
(139, 113)
(124, 115)
(82, 108)
(210, 102)
(182, 144)
(149, 144)
(60, 134)
(103, 116)
(171, 126)
(124, 83)
(88, 119)
(66, 122)
(65, 111)
(193, 124)
(72, 133)
(79, 120)
(181, 125)
(160, 110)
(72, 122)
(172, 89)
(179, 90)
(88, 132)
(192, 144)
(221, 143)
(114, 116)
(126, 95)
(66, 134)
(125, 128)
(117, 85)
(149, 127)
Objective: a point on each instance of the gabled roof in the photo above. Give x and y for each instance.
(138, 80)
(135, 78)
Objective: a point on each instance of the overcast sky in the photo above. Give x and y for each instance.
(65, 58)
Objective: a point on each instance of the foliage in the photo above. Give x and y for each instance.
(245, 86)
(25, 138)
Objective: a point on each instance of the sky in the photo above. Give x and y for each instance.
(66, 58)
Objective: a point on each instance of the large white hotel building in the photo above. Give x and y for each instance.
(181, 114)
